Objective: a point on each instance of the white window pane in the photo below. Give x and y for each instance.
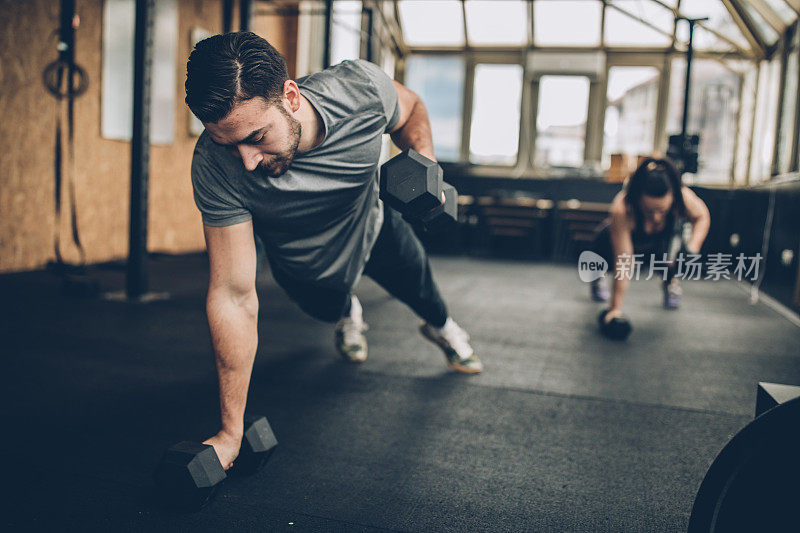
(705, 40)
(786, 13)
(566, 23)
(719, 19)
(712, 114)
(117, 71)
(766, 118)
(748, 107)
(346, 31)
(494, 135)
(623, 30)
(796, 46)
(786, 133)
(439, 23)
(561, 120)
(647, 10)
(632, 100)
(439, 81)
(769, 35)
(496, 22)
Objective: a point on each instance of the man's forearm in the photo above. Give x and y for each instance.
(416, 132)
(234, 332)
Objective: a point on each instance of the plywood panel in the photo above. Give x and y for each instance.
(281, 32)
(26, 134)
(102, 166)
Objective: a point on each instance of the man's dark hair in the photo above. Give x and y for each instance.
(655, 177)
(224, 70)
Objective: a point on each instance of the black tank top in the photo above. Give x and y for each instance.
(643, 240)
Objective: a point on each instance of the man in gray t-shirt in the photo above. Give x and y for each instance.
(296, 162)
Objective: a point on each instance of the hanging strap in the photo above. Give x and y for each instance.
(65, 80)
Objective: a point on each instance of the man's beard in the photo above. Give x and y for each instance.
(279, 164)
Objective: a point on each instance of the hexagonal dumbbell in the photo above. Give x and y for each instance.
(188, 476)
(189, 473)
(412, 184)
(445, 215)
(257, 445)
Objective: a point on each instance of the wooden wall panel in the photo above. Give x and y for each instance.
(102, 166)
(27, 137)
(281, 32)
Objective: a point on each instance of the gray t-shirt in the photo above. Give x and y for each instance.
(320, 219)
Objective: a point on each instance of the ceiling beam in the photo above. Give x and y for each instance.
(678, 13)
(769, 15)
(746, 26)
(510, 52)
(639, 19)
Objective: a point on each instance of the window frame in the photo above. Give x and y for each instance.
(663, 66)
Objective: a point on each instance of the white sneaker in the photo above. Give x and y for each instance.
(454, 342)
(350, 341)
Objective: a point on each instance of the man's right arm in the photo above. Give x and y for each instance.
(232, 309)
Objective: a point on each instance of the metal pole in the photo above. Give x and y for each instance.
(136, 280)
(370, 29)
(227, 16)
(688, 84)
(245, 14)
(326, 56)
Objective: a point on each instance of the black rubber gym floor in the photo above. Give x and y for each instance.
(564, 431)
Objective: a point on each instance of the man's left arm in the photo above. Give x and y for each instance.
(413, 128)
(698, 214)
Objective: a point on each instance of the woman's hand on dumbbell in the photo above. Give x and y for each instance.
(612, 313)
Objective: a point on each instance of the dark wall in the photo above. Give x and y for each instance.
(745, 212)
(556, 189)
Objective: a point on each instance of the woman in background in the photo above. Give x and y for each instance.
(647, 217)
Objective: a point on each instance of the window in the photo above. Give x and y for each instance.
(439, 23)
(345, 31)
(766, 31)
(439, 81)
(746, 121)
(561, 121)
(782, 9)
(713, 114)
(496, 22)
(766, 118)
(632, 100)
(719, 20)
(786, 133)
(117, 71)
(625, 24)
(573, 23)
(494, 135)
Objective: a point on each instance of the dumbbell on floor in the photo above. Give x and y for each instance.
(412, 184)
(189, 473)
(617, 328)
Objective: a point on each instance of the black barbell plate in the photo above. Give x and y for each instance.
(754, 482)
